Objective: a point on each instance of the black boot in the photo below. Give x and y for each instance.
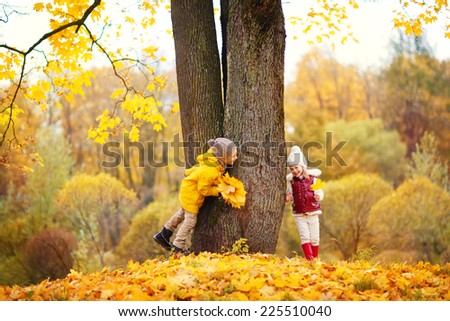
(163, 238)
(176, 250)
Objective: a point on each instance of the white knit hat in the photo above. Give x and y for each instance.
(296, 157)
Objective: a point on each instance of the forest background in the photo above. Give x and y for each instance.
(386, 190)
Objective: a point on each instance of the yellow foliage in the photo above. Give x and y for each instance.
(232, 191)
(347, 208)
(117, 93)
(38, 91)
(57, 62)
(414, 215)
(324, 20)
(175, 108)
(106, 122)
(318, 184)
(4, 118)
(417, 13)
(38, 6)
(87, 193)
(134, 134)
(244, 277)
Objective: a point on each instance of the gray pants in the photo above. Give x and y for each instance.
(187, 221)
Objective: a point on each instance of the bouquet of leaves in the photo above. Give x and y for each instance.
(318, 184)
(232, 191)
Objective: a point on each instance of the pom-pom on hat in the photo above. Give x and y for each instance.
(222, 147)
(296, 157)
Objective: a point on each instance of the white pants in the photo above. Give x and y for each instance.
(308, 227)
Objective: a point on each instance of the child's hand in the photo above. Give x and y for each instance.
(230, 189)
(317, 198)
(288, 197)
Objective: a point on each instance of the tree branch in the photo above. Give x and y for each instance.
(7, 14)
(13, 49)
(78, 23)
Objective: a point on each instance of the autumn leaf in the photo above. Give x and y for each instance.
(117, 93)
(209, 276)
(232, 191)
(38, 7)
(175, 108)
(318, 184)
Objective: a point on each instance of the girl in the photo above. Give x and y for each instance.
(305, 207)
(199, 182)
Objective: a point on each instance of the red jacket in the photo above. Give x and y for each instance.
(303, 195)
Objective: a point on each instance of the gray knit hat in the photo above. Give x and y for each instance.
(222, 147)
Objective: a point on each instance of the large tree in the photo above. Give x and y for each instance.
(251, 113)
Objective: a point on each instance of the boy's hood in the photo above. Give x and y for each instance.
(206, 159)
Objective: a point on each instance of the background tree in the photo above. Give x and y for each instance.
(426, 161)
(137, 244)
(325, 90)
(414, 218)
(28, 206)
(27, 128)
(368, 148)
(346, 208)
(416, 93)
(323, 84)
(99, 208)
(45, 181)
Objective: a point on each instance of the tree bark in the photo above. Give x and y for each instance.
(253, 58)
(198, 74)
(254, 115)
(254, 119)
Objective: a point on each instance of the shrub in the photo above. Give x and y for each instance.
(346, 210)
(369, 148)
(99, 208)
(49, 254)
(138, 243)
(415, 217)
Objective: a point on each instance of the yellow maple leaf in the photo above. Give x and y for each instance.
(232, 191)
(38, 6)
(134, 134)
(117, 93)
(175, 108)
(106, 294)
(38, 92)
(318, 184)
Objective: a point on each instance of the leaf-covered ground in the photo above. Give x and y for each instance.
(245, 277)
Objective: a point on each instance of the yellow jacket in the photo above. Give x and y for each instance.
(200, 181)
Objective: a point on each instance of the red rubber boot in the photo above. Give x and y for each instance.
(315, 251)
(307, 249)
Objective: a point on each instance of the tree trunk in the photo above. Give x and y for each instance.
(198, 74)
(254, 119)
(254, 115)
